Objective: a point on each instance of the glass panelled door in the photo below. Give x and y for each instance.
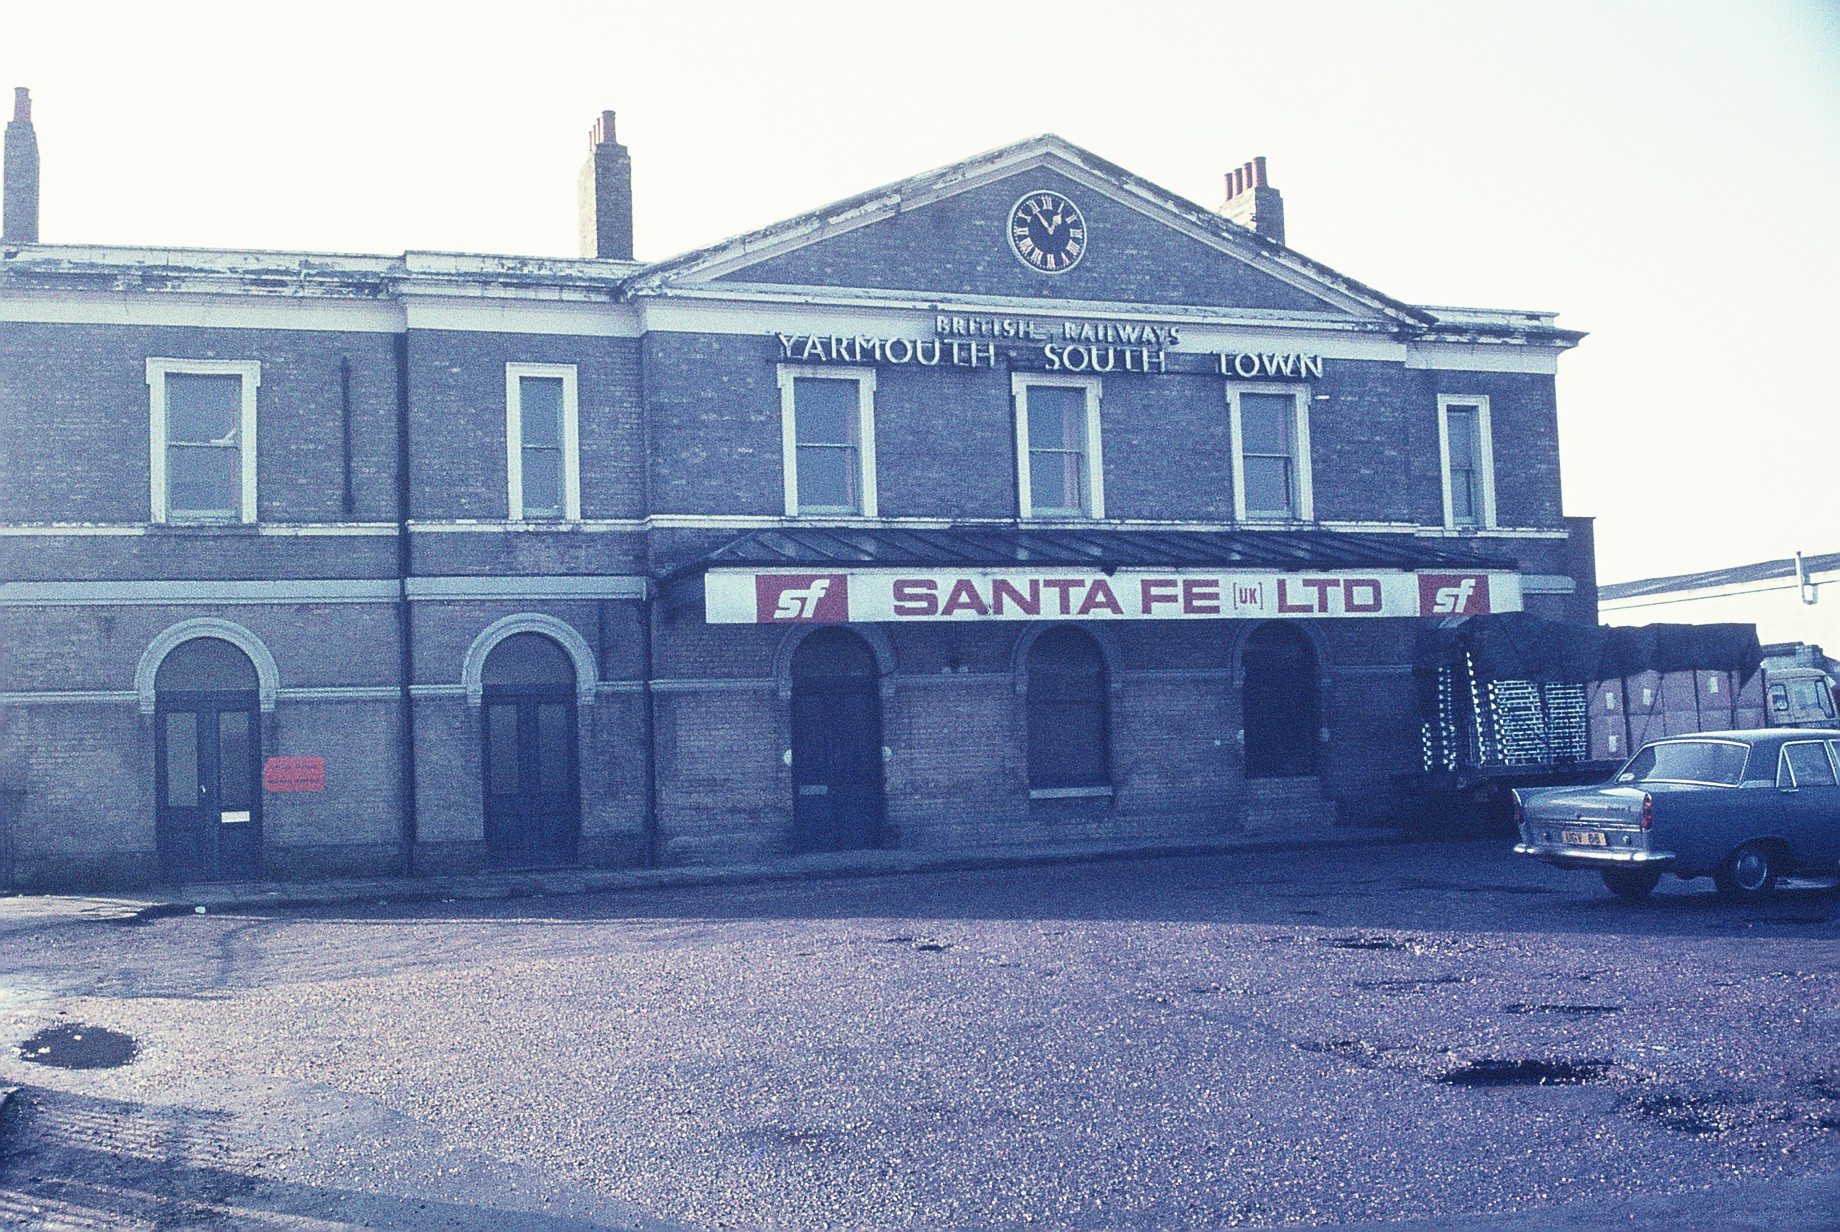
(533, 804)
(208, 761)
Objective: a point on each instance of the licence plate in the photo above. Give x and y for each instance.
(1585, 838)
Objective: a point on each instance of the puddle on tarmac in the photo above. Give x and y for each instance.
(1368, 943)
(79, 1046)
(1527, 1072)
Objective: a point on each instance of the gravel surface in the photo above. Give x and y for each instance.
(1433, 1033)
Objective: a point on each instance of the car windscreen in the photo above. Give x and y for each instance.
(1687, 761)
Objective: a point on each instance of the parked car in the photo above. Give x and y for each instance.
(1741, 807)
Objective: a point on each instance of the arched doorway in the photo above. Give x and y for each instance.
(532, 784)
(1279, 702)
(1068, 744)
(836, 743)
(207, 763)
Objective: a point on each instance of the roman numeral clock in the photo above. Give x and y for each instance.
(1047, 232)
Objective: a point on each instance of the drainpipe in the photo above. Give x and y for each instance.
(405, 628)
(649, 718)
(650, 604)
(348, 501)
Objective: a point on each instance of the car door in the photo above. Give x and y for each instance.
(1810, 789)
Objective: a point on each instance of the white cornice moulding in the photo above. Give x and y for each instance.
(508, 315)
(1539, 358)
(724, 521)
(213, 593)
(220, 310)
(529, 588)
(765, 310)
(319, 591)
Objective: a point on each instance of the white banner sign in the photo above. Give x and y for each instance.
(867, 595)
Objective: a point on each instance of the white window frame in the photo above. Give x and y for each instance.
(865, 434)
(1305, 510)
(158, 369)
(514, 440)
(1019, 385)
(1485, 459)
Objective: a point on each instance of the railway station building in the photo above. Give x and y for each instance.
(1019, 503)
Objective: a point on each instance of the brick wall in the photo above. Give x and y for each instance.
(75, 419)
(457, 420)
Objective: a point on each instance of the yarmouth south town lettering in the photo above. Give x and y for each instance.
(866, 595)
(1071, 346)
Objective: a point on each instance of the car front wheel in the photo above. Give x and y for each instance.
(1750, 872)
(1632, 883)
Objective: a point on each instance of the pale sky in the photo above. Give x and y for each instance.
(1664, 175)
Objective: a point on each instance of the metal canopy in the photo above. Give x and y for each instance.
(1098, 548)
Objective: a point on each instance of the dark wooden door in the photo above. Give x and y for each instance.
(208, 758)
(532, 798)
(836, 745)
(1280, 704)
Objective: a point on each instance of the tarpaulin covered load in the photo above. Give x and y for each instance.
(1522, 646)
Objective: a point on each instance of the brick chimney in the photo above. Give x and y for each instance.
(19, 213)
(1252, 202)
(605, 193)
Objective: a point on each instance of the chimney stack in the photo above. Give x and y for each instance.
(19, 212)
(606, 195)
(1252, 202)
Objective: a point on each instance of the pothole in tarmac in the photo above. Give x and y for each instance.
(926, 944)
(1413, 984)
(1525, 1072)
(1710, 1114)
(76, 1045)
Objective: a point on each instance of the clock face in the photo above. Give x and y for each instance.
(1047, 232)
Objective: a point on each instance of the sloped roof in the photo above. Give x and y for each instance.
(1098, 548)
(890, 198)
(1736, 575)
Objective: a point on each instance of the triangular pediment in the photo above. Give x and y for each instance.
(948, 233)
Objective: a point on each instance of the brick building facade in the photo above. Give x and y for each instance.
(1019, 502)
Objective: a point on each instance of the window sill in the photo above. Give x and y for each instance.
(1068, 793)
(202, 527)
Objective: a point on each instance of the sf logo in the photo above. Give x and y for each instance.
(801, 596)
(801, 604)
(1453, 594)
(1452, 599)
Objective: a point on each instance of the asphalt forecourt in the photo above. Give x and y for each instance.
(1437, 1034)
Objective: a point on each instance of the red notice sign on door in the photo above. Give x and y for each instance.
(294, 774)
